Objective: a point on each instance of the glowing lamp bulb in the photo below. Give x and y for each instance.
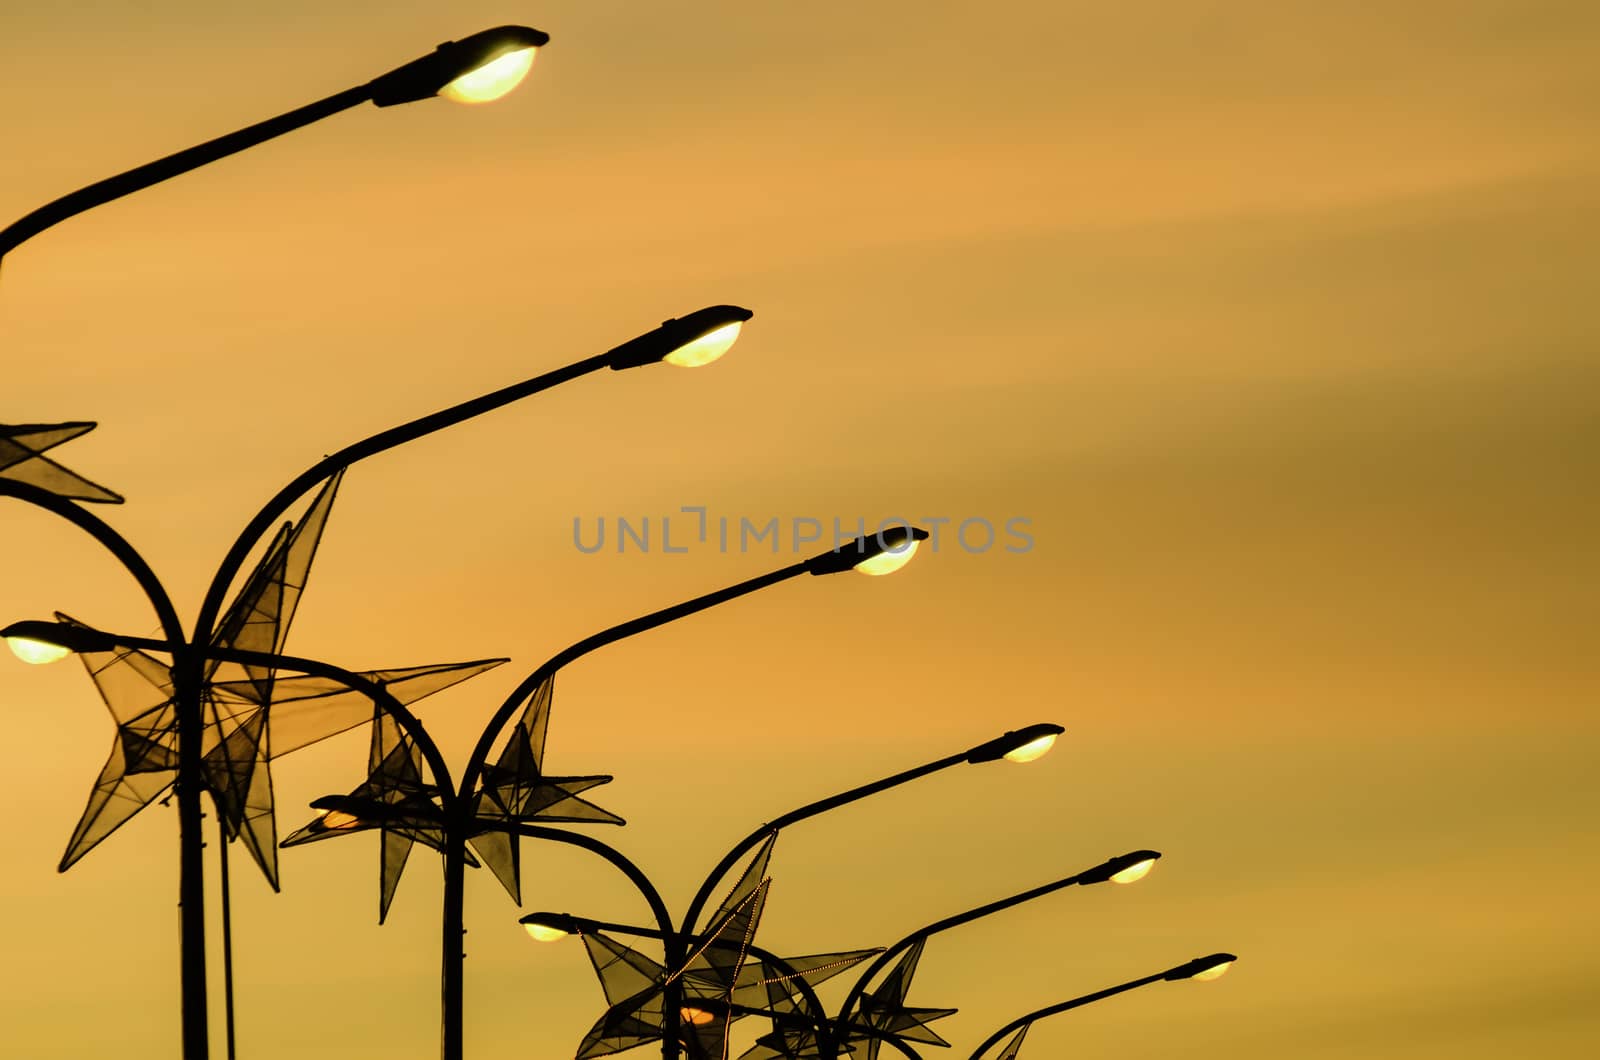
(889, 561)
(697, 1017)
(37, 652)
(544, 932)
(338, 820)
(1214, 972)
(1032, 749)
(491, 80)
(1135, 872)
(707, 348)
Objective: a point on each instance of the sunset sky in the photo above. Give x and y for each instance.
(1274, 323)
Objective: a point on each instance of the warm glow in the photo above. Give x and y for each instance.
(699, 1017)
(707, 348)
(891, 560)
(338, 820)
(544, 932)
(1137, 871)
(1032, 749)
(491, 80)
(37, 652)
(1214, 972)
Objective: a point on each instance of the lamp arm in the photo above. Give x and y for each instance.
(860, 985)
(115, 543)
(104, 191)
(211, 606)
(1051, 1010)
(810, 810)
(636, 876)
(507, 709)
(672, 945)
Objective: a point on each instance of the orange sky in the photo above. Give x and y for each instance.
(1274, 319)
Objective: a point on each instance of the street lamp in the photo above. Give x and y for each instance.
(489, 800)
(1201, 969)
(475, 69)
(546, 927)
(653, 347)
(188, 676)
(1002, 746)
(911, 946)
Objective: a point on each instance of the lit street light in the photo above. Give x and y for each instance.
(546, 927)
(191, 653)
(1201, 969)
(475, 69)
(489, 799)
(1124, 868)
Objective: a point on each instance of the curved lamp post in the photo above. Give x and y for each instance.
(689, 337)
(1125, 868)
(1020, 745)
(42, 648)
(475, 69)
(46, 641)
(693, 339)
(458, 819)
(1202, 969)
(862, 551)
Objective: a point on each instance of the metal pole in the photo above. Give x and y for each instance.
(191, 849)
(172, 165)
(227, 930)
(457, 820)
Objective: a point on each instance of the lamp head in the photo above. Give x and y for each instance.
(349, 813)
(475, 69)
(881, 553)
(1203, 969)
(38, 642)
(548, 927)
(1020, 745)
(1124, 868)
(37, 652)
(688, 341)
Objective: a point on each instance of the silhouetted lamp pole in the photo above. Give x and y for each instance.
(457, 819)
(48, 641)
(1020, 745)
(1125, 868)
(694, 339)
(475, 69)
(1201, 969)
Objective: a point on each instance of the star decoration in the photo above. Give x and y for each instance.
(250, 715)
(21, 458)
(719, 977)
(395, 800)
(515, 789)
(882, 1011)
